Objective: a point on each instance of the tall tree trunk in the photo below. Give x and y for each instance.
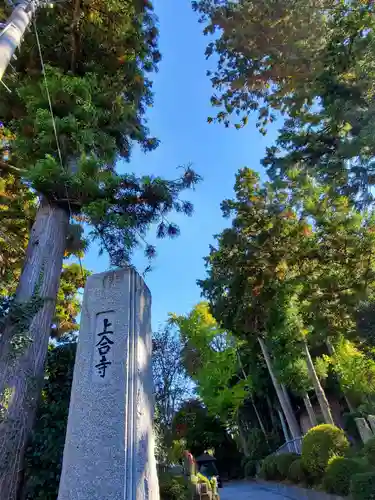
(24, 341)
(242, 436)
(260, 421)
(287, 401)
(272, 413)
(283, 425)
(332, 351)
(310, 410)
(289, 415)
(320, 394)
(251, 397)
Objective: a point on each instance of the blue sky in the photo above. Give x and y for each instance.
(179, 119)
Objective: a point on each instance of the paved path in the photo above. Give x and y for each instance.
(246, 490)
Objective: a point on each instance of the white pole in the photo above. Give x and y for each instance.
(14, 30)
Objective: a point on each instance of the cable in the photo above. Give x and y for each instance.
(54, 127)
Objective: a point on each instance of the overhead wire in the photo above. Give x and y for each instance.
(54, 127)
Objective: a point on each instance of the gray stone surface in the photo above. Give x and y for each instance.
(109, 447)
(247, 490)
(363, 429)
(371, 421)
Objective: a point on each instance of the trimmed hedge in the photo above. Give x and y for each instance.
(369, 451)
(362, 486)
(250, 468)
(296, 472)
(319, 445)
(339, 473)
(268, 469)
(283, 463)
(276, 467)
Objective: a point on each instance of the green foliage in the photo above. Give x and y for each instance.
(256, 444)
(44, 453)
(276, 467)
(17, 209)
(268, 469)
(68, 302)
(369, 451)
(319, 445)
(296, 473)
(21, 315)
(201, 432)
(350, 425)
(97, 58)
(171, 382)
(290, 268)
(311, 60)
(176, 452)
(214, 486)
(287, 271)
(339, 473)
(283, 463)
(250, 468)
(203, 479)
(210, 356)
(173, 487)
(355, 369)
(263, 52)
(362, 486)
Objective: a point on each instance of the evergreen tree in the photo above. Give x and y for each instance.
(312, 61)
(292, 269)
(70, 120)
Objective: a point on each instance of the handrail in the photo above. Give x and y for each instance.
(292, 446)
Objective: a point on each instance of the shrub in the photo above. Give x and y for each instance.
(268, 469)
(339, 472)
(319, 445)
(250, 468)
(283, 463)
(369, 451)
(362, 486)
(173, 487)
(296, 472)
(257, 445)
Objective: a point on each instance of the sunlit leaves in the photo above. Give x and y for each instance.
(210, 357)
(97, 57)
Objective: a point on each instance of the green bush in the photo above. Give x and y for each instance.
(339, 472)
(369, 451)
(276, 467)
(319, 445)
(268, 469)
(250, 468)
(296, 472)
(362, 486)
(173, 487)
(257, 445)
(283, 463)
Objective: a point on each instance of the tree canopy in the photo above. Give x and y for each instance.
(96, 79)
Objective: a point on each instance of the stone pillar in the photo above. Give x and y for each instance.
(109, 447)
